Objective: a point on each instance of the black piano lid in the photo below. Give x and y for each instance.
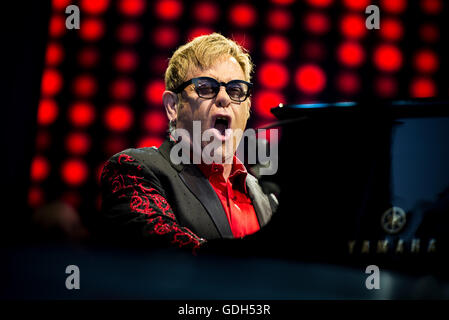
(393, 109)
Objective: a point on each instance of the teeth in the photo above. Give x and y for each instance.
(222, 118)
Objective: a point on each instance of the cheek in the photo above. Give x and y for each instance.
(202, 111)
(184, 115)
(244, 114)
(242, 118)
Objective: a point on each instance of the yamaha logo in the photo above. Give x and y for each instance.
(393, 220)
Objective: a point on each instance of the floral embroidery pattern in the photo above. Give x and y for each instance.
(145, 200)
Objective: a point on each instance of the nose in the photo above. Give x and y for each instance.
(222, 99)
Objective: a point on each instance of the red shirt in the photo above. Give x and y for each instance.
(233, 196)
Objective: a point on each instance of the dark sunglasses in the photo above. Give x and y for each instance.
(208, 88)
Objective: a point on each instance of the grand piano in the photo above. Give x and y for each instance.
(362, 181)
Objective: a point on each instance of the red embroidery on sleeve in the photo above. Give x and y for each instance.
(163, 205)
(146, 200)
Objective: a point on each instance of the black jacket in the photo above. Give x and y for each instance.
(146, 196)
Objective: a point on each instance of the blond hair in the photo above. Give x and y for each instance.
(201, 53)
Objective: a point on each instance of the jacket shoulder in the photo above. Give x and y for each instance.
(136, 153)
(149, 159)
(147, 156)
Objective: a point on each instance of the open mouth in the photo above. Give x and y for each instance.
(221, 124)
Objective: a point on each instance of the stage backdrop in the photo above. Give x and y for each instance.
(101, 85)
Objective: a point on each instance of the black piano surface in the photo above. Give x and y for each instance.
(363, 181)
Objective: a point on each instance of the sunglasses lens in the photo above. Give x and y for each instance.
(237, 90)
(207, 88)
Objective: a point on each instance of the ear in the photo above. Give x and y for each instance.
(170, 100)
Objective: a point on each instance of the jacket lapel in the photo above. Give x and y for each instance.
(260, 200)
(201, 188)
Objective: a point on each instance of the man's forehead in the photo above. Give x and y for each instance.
(194, 71)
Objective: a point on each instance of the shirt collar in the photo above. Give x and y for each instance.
(237, 176)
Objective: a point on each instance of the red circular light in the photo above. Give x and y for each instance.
(51, 82)
(396, 6)
(266, 135)
(353, 26)
(314, 51)
(71, 198)
(351, 54)
(320, 3)
(122, 88)
(57, 26)
(356, 4)
(115, 144)
(273, 75)
(422, 88)
(155, 122)
(118, 117)
(150, 142)
(158, 64)
(84, 86)
(77, 143)
(74, 172)
(386, 86)
(279, 19)
(197, 32)
(387, 58)
(317, 22)
(264, 101)
(94, 7)
(166, 37)
(43, 140)
(81, 114)
(276, 47)
(126, 61)
(91, 29)
(54, 54)
(206, 12)
(429, 33)
(35, 197)
(131, 7)
(310, 79)
(242, 15)
(47, 112)
(283, 2)
(60, 4)
(432, 6)
(88, 57)
(348, 83)
(154, 92)
(391, 29)
(40, 168)
(426, 61)
(243, 39)
(129, 32)
(169, 9)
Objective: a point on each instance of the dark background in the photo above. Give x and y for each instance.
(73, 98)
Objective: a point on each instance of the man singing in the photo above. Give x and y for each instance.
(148, 194)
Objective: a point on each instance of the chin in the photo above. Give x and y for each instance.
(227, 156)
